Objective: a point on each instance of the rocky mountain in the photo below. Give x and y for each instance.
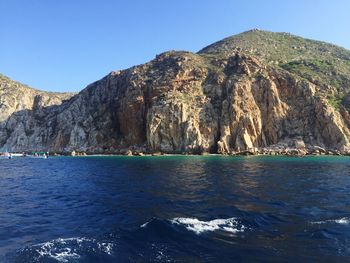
(22, 109)
(254, 92)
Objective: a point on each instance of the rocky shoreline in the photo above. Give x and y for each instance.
(287, 152)
(291, 153)
(268, 151)
(286, 147)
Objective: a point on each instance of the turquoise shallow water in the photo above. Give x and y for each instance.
(175, 209)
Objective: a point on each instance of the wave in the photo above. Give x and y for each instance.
(154, 240)
(67, 249)
(231, 225)
(342, 221)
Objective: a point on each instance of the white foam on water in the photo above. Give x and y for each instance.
(144, 225)
(193, 224)
(106, 247)
(62, 254)
(342, 221)
(67, 249)
(161, 254)
(65, 255)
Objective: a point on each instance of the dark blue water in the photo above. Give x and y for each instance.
(175, 209)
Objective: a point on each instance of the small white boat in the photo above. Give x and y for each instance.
(6, 155)
(40, 155)
(17, 154)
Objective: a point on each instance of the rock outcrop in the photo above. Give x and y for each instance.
(180, 102)
(22, 109)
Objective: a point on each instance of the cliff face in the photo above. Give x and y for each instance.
(179, 102)
(21, 109)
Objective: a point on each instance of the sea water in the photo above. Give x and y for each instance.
(175, 209)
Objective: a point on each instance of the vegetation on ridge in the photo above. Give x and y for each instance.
(324, 64)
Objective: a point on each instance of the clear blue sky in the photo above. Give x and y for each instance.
(63, 45)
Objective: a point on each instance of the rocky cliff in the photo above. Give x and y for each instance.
(228, 98)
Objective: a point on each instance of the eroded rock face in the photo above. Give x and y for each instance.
(22, 109)
(179, 102)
